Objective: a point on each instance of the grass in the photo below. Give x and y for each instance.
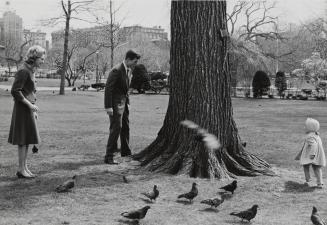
(74, 131)
(44, 82)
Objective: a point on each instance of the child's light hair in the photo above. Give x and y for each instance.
(312, 125)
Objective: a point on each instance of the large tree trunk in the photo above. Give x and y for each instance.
(200, 91)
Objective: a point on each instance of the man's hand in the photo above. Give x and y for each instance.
(312, 156)
(110, 111)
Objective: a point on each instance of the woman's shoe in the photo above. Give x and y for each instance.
(20, 175)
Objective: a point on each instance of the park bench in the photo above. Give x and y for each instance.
(84, 87)
(98, 86)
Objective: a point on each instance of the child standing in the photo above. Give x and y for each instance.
(312, 152)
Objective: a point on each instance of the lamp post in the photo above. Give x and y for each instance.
(97, 68)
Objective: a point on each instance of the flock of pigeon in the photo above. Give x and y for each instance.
(139, 214)
(211, 142)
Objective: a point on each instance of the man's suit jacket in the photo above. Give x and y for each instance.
(116, 91)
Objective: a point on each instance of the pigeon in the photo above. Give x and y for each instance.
(248, 214)
(35, 149)
(66, 186)
(315, 218)
(136, 214)
(192, 194)
(152, 195)
(213, 202)
(125, 179)
(230, 187)
(209, 140)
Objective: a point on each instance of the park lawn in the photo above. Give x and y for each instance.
(44, 82)
(74, 131)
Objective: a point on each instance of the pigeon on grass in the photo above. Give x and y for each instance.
(230, 187)
(248, 214)
(315, 218)
(152, 195)
(209, 140)
(67, 185)
(136, 214)
(192, 194)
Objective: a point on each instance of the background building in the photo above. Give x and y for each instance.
(98, 34)
(36, 38)
(128, 33)
(12, 27)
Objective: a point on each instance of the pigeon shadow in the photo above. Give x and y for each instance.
(293, 186)
(237, 221)
(146, 200)
(213, 210)
(225, 195)
(129, 222)
(185, 202)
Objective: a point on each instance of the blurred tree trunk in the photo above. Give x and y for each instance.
(200, 91)
(65, 54)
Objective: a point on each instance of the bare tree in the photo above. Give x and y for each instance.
(244, 45)
(14, 52)
(200, 91)
(111, 27)
(70, 9)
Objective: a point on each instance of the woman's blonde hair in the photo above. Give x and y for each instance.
(34, 53)
(312, 125)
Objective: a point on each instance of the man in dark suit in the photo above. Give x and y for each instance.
(116, 104)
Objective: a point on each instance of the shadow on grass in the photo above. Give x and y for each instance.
(237, 221)
(226, 195)
(19, 191)
(129, 222)
(185, 202)
(209, 209)
(49, 167)
(293, 186)
(68, 165)
(146, 200)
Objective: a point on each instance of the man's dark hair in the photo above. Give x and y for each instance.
(130, 54)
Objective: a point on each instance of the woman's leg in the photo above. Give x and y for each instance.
(22, 159)
(25, 162)
(306, 169)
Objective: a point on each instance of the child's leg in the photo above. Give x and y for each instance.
(318, 173)
(306, 169)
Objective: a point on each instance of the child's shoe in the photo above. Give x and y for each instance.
(306, 184)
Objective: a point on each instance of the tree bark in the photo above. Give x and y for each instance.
(200, 91)
(65, 54)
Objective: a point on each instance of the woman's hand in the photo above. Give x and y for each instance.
(34, 108)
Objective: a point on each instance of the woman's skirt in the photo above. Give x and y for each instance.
(23, 128)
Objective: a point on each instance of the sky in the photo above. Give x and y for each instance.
(148, 12)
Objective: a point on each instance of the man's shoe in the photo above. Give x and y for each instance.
(110, 161)
(20, 175)
(126, 154)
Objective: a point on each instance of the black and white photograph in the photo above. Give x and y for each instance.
(163, 112)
